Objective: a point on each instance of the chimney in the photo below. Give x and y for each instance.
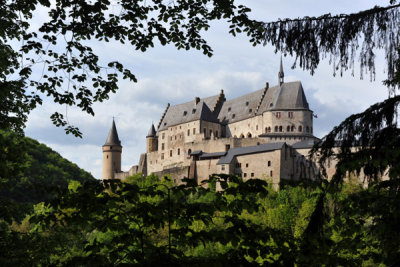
(196, 100)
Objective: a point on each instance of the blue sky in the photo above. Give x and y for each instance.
(167, 75)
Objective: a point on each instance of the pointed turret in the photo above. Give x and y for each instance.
(151, 140)
(112, 151)
(281, 75)
(112, 139)
(152, 131)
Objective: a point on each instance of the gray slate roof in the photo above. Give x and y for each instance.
(112, 138)
(188, 112)
(233, 152)
(152, 131)
(286, 96)
(240, 108)
(212, 155)
(306, 143)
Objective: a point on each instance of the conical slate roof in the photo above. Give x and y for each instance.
(112, 139)
(152, 131)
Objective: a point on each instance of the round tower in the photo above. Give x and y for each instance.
(151, 140)
(112, 151)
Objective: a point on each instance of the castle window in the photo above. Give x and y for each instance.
(238, 165)
(244, 174)
(241, 136)
(222, 167)
(170, 153)
(280, 129)
(179, 151)
(229, 109)
(110, 147)
(256, 127)
(165, 123)
(194, 131)
(276, 128)
(247, 165)
(249, 135)
(188, 132)
(163, 136)
(247, 103)
(193, 111)
(227, 147)
(170, 138)
(269, 163)
(270, 104)
(270, 173)
(216, 133)
(107, 156)
(189, 151)
(233, 116)
(307, 129)
(288, 128)
(205, 132)
(278, 115)
(252, 174)
(185, 113)
(250, 110)
(292, 129)
(162, 146)
(162, 155)
(175, 137)
(211, 132)
(290, 114)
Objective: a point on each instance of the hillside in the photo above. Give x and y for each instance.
(41, 171)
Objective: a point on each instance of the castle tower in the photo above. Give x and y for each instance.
(281, 75)
(112, 150)
(151, 140)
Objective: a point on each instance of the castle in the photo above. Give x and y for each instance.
(264, 134)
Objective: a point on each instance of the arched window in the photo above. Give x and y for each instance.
(249, 135)
(288, 128)
(292, 129)
(189, 152)
(276, 128)
(280, 128)
(241, 136)
(311, 130)
(300, 128)
(307, 129)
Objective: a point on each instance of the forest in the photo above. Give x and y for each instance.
(148, 221)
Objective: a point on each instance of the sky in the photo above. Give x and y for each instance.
(166, 75)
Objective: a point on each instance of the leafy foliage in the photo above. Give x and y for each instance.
(31, 172)
(57, 59)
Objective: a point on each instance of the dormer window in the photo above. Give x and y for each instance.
(185, 113)
(270, 105)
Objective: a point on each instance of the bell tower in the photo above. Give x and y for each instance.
(112, 150)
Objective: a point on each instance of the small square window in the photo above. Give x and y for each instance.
(247, 165)
(244, 174)
(252, 174)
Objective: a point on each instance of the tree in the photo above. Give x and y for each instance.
(71, 73)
